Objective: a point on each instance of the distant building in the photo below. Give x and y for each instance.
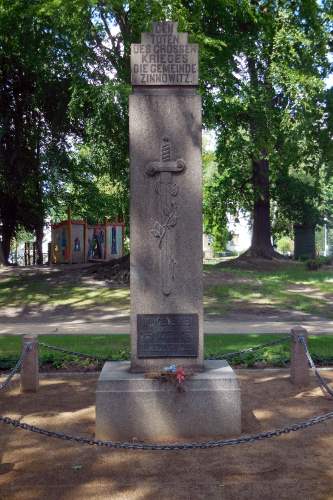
(207, 243)
(239, 228)
(241, 232)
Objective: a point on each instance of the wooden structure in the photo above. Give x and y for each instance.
(76, 242)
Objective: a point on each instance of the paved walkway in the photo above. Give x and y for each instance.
(211, 327)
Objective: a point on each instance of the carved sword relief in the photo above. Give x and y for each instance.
(163, 229)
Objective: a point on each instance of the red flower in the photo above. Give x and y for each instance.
(180, 375)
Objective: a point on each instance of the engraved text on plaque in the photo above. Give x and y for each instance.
(164, 57)
(167, 335)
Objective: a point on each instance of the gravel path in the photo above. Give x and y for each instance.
(115, 326)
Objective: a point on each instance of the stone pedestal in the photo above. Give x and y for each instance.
(129, 405)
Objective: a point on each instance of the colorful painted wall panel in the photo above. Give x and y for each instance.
(60, 243)
(96, 242)
(77, 243)
(115, 237)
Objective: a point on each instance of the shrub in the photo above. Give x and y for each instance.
(285, 245)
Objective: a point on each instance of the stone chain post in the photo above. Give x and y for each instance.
(30, 365)
(299, 366)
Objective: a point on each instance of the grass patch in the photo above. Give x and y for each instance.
(41, 290)
(117, 347)
(112, 347)
(291, 287)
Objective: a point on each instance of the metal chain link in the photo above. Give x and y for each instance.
(17, 367)
(256, 348)
(73, 353)
(323, 384)
(170, 446)
(225, 356)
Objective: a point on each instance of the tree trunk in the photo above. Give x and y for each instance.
(261, 244)
(305, 241)
(2, 257)
(7, 235)
(39, 245)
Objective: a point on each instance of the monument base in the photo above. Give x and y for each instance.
(128, 405)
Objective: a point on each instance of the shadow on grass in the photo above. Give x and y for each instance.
(37, 297)
(292, 290)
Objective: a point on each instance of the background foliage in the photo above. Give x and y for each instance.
(64, 86)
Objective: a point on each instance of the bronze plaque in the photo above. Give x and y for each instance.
(168, 335)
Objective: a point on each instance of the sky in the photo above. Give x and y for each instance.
(329, 80)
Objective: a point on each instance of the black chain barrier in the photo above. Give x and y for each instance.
(224, 356)
(16, 368)
(256, 348)
(73, 353)
(323, 384)
(172, 446)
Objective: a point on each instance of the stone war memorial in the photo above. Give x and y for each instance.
(166, 261)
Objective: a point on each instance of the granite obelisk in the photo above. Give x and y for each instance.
(166, 261)
(166, 201)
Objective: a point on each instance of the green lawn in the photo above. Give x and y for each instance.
(117, 347)
(41, 290)
(228, 290)
(292, 287)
